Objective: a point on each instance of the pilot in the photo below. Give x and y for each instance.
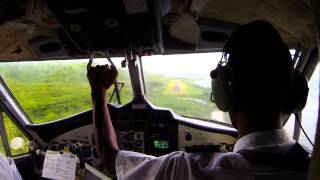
(258, 76)
(8, 169)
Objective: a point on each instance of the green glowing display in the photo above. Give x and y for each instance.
(161, 144)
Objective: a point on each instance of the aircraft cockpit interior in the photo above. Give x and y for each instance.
(163, 50)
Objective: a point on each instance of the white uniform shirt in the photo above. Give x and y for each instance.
(208, 165)
(8, 169)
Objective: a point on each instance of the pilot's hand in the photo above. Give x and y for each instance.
(101, 77)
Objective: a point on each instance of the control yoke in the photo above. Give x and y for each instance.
(107, 55)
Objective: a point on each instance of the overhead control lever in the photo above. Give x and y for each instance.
(107, 55)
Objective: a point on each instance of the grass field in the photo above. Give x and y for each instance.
(53, 90)
(181, 95)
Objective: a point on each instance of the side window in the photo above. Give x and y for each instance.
(310, 112)
(289, 126)
(2, 151)
(17, 141)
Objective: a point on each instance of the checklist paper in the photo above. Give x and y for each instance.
(59, 166)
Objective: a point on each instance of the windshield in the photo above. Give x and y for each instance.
(51, 90)
(182, 83)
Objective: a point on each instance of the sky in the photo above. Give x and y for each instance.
(185, 65)
(181, 65)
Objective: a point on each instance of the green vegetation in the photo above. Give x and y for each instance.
(2, 151)
(181, 95)
(13, 132)
(53, 90)
(50, 91)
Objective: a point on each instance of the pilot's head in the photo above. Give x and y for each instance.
(262, 68)
(258, 76)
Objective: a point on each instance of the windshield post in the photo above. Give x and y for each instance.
(136, 77)
(3, 135)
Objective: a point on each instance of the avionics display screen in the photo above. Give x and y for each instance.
(161, 144)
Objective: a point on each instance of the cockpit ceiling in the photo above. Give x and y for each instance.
(292, 18)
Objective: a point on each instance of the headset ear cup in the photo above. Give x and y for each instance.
(299, 93)
(221, 88)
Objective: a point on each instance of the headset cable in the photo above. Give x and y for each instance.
(304, 132)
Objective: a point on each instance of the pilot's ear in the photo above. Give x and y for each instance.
(221, 87)
(298, 95)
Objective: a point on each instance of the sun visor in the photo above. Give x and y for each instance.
(185, 28)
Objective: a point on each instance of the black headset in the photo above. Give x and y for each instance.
(221, 84)
(223, 91)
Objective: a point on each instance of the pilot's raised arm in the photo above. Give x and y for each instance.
(125, 164)
(100, 79)
(257, 84)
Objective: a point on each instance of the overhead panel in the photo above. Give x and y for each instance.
(293, 19)
(72, 28)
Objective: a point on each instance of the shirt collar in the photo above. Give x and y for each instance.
(262, 139)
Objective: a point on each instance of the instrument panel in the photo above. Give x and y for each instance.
(79, 141)
(154, 138)
(150, 131)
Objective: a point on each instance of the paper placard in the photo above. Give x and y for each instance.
(59, 166)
